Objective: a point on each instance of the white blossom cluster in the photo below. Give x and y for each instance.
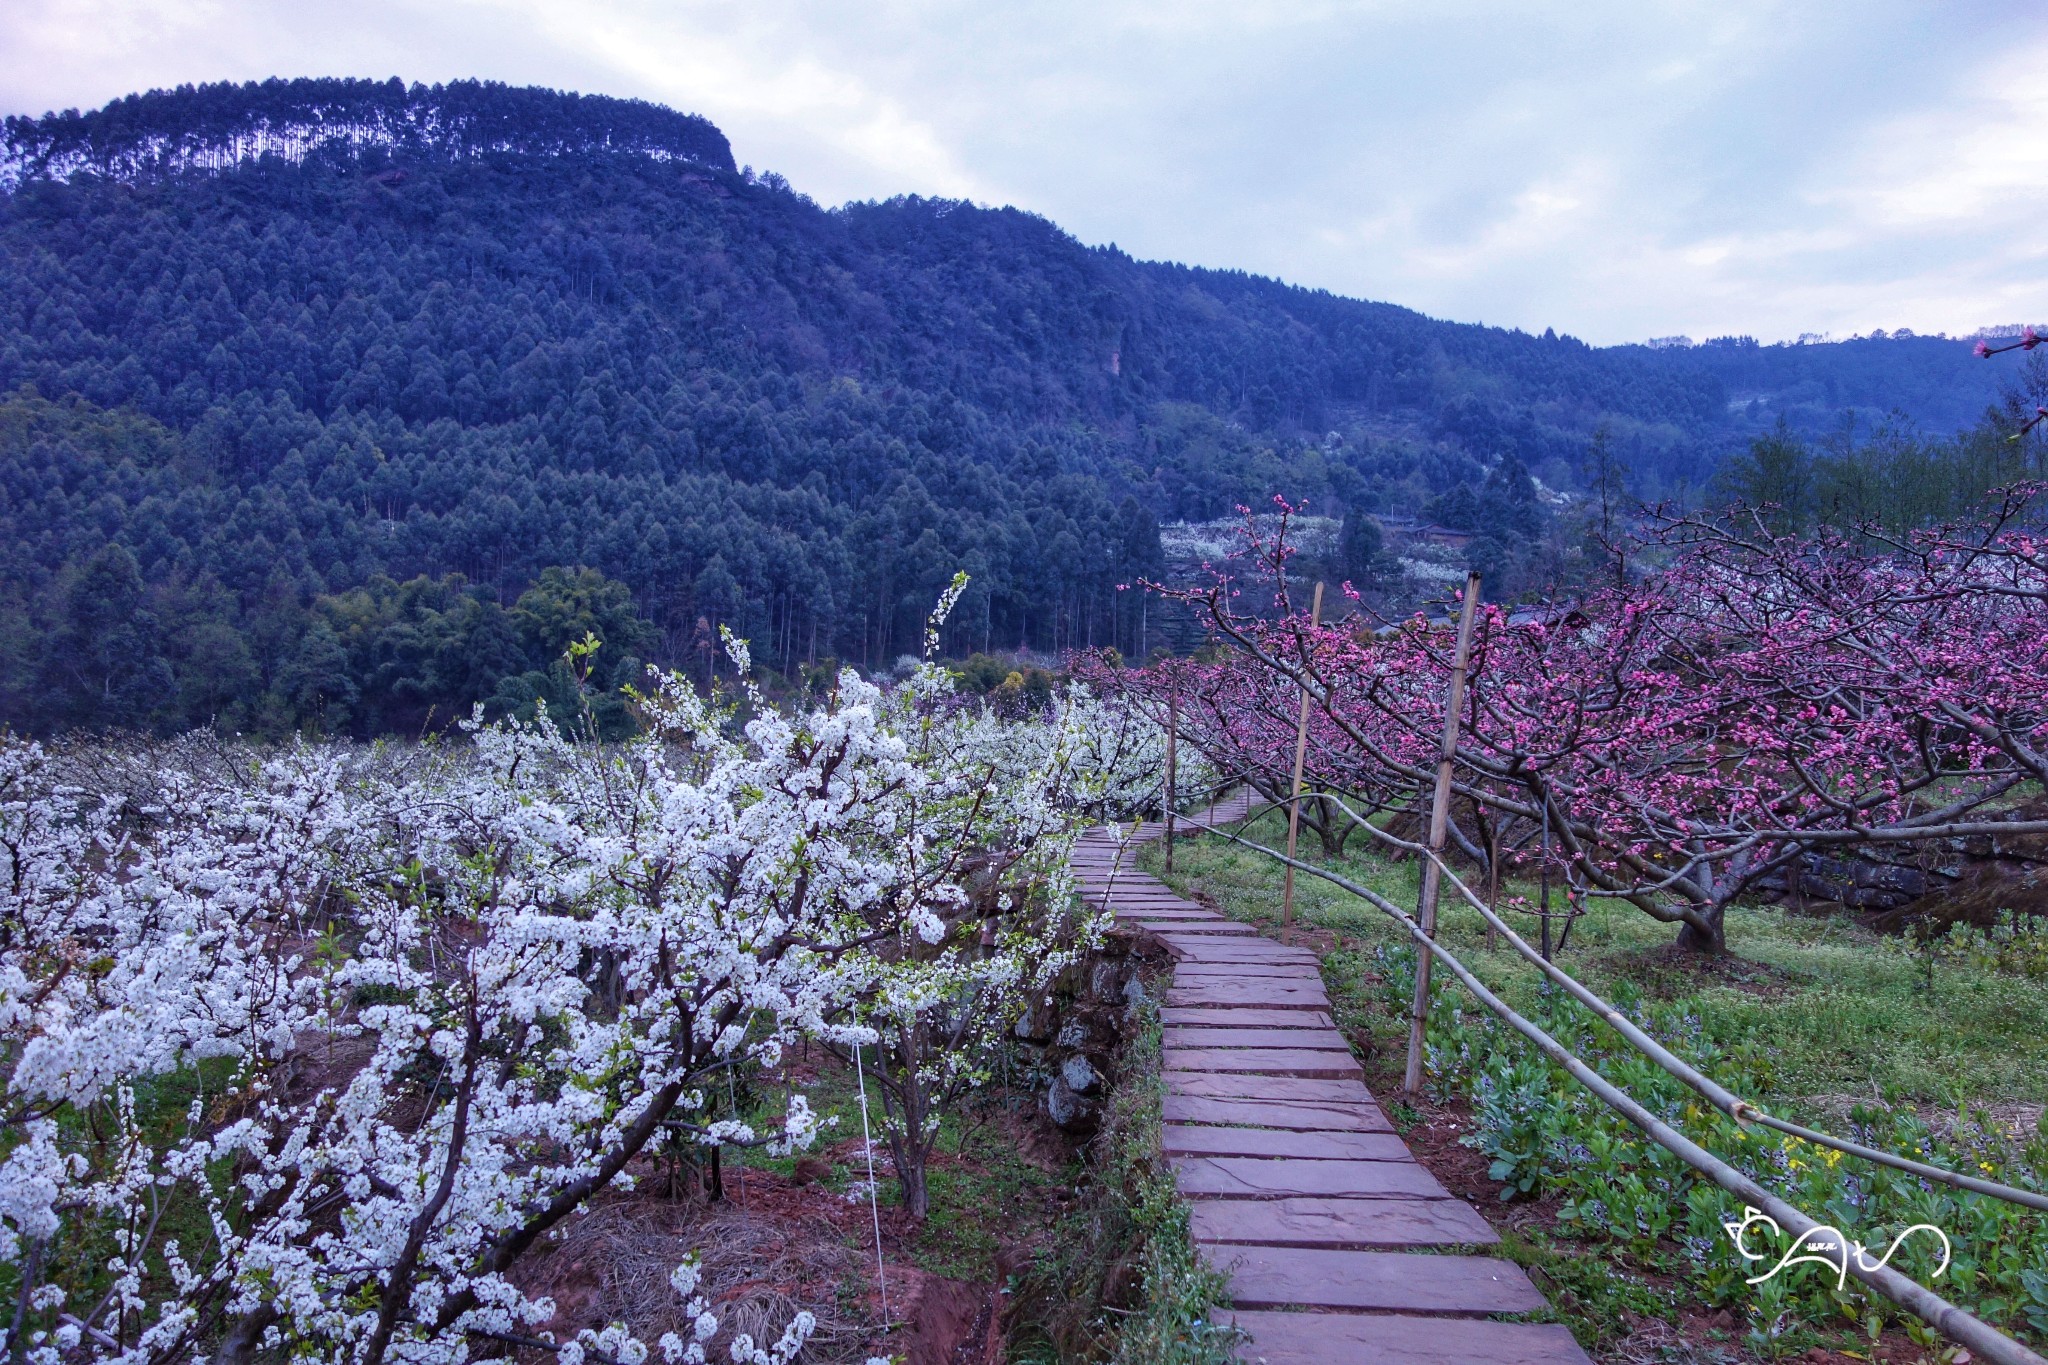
(304, 1050)
(1108, 758)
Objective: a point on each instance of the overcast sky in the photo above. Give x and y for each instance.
(1616, 170)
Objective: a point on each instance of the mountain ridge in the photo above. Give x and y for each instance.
(377, 359)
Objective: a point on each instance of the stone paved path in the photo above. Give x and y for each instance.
(1338, 1245)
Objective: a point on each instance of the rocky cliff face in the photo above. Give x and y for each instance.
(220, 126)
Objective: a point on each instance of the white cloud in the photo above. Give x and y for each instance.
(1617, 170)
(1982, 155)
(749, 73)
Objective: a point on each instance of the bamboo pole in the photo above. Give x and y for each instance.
(1172, 736)
(1439, 826)
(1315, 618)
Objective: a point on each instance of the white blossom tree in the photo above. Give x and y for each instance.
(311, 1052)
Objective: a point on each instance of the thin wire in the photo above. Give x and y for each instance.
(874, 1208)
(740, 1153)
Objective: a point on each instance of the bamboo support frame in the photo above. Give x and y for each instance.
(1172, 736)
(1315, 618)
(1439, 829)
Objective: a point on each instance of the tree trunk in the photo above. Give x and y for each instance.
(1695, 939)
(245, 1338)
(910, 1159)
(1320, 814)
(916, 1196)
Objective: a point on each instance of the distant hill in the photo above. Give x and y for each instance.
(269, 344)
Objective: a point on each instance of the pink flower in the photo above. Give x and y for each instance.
(2029, 338)
(1983, 351)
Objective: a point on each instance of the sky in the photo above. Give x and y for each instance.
(1617, 171)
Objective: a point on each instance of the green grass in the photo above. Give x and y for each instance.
(1846, 1013)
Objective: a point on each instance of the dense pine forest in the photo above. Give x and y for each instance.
(347, 405)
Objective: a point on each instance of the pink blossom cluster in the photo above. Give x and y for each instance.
(1688, 736)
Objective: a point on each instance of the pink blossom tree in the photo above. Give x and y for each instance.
(1691, 736)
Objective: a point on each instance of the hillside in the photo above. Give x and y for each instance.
(272, 351)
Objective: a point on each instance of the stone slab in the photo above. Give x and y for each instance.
(1180, 1139)
(1399, 1339)
(1277, 1114)
(1196, 972)
(1246, 1177)
(1319, 1040)
(1220, 926)
(1234, 1016)
(1250, 1086)
(1265, 994)
(1266, 1061)
(1339, 1222)
(1249, 951)
(1386, 1281)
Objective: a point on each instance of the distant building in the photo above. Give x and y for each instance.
(1424, 532)
(1451, 538)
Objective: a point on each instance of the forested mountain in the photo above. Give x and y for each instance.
(271, 353)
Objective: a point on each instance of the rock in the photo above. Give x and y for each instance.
(1035, 1025)
(1080, 1077)
(1073, 1033)
(1069, 1111)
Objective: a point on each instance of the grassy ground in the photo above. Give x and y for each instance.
(1845, 1013)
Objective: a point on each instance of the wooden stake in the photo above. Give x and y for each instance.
(1172, 734)
(1315, 618)
(1439, 829)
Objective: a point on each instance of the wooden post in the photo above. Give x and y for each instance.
(1172, 735)
(1439, 827)
(1315, 618)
